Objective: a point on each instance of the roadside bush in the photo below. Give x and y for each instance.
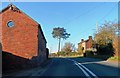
(106, 50)
(57, 54)
(116, 46)
(53, 55)
(89, 53)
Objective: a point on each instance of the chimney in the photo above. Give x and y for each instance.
(11, 7)
(90, 37)
(82, 40)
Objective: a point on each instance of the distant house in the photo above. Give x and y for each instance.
(21, 36)
(86, 45)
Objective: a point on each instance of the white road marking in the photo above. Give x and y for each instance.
(88, 70)
(86, 74)
(82, 66)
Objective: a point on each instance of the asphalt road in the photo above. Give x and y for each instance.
(81, 67)
(84, 67)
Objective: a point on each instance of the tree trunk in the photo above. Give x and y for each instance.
(59, 45)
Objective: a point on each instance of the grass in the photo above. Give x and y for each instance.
(105, 57)
(72, 56)
(114, 58)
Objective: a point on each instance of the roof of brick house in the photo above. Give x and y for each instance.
(14, 8)
(82, 40)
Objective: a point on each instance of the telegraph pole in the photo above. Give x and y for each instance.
(97, 27)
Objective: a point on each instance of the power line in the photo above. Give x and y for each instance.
(107, 14)
(83, 14)
(89, 11)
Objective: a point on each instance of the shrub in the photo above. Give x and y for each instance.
(89, 53)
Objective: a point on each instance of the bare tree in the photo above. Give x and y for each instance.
(105, 34)
(105, 37)
(68, 47)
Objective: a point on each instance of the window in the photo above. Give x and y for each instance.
(10, 24)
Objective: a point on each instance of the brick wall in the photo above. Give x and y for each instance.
(89, 44)
(41, 45)
(23, 45)
(13, 62)
(21, 39)
(0, 28)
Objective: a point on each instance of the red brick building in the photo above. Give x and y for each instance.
(21, 35)
(85, 45)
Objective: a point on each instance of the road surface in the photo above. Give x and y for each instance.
(84, 67)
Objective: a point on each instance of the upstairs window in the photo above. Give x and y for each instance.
(10, 24)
